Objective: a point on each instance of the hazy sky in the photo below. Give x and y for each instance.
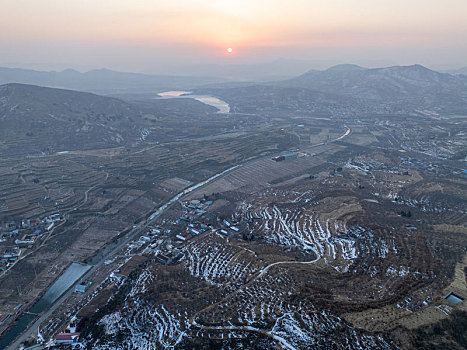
(153, 35)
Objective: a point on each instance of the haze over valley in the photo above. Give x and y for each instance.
(205, 193)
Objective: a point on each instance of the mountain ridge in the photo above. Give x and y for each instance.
(35, 119)
(382, 84)
(101, 81)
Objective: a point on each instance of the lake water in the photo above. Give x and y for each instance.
(65, 281)
(222, 106)
(72, 274)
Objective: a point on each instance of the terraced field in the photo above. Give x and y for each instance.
(217, 262)
(353, 247)
(99, 196)
(260, 174)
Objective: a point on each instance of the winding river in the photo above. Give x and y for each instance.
(76, 271)
(222, 106)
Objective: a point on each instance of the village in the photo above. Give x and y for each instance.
(203, 234)
(168, 245)
(137, 230)
(18, 238)
(163, 245)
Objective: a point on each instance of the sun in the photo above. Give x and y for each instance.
(229, 50)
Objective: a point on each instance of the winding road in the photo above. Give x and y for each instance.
(265, 332)
(32, 329)
(261, 273)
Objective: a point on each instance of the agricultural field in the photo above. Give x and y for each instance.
(317, 248)
(263, 228)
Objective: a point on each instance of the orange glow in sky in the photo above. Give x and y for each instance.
(266, 28)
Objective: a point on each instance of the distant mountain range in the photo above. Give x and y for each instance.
(462, 70)
(351, 90)
(258, 72)
(102, 81)
(401, 82)
(35, 119)
(351, 80)
(109, 82)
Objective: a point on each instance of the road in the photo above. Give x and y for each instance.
(283, 342)
(32, 329)
(263, 271)
(265, 332)
(49, 233)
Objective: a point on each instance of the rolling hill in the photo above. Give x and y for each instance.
(345, 90)
(102, 81)
(35, 120)
(382, 84)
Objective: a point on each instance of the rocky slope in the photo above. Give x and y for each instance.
(36, 120)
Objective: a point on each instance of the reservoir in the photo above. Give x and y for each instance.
(65, 281)
(222, 106)
(72, 274)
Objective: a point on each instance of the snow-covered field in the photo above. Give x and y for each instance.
(264, 307)
(217, 263)
(330, 239)
(142, 326)
(318, 329)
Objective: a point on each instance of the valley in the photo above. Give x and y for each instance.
(299, 219)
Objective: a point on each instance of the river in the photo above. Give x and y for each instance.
(75, 270)
(222, 106)
(60, 286)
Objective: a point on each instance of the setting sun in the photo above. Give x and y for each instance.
(229, 50)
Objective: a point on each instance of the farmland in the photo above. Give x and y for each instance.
(315, 232)
(316, 227)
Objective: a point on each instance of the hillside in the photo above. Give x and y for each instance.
(35, 120)
(301, 219)
(462, 70)
(101, 81)
(350, 90)
(383, 84)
